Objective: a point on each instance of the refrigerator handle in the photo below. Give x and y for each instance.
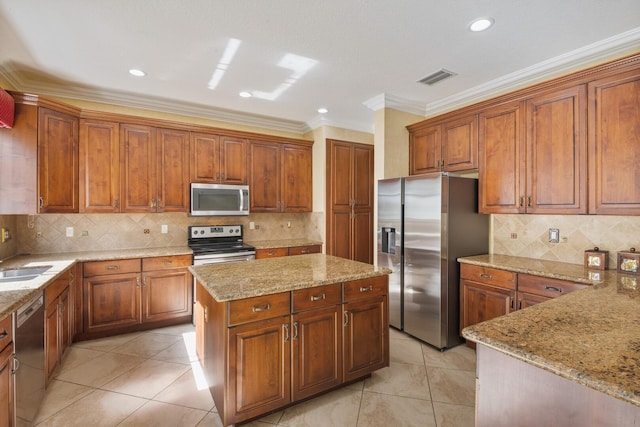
(388, 240)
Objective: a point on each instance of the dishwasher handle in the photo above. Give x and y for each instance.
(27, 310)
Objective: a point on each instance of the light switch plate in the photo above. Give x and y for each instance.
(69, 231)
(554, 235)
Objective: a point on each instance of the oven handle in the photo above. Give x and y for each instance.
(225, 258)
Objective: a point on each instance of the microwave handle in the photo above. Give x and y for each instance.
(241, 199)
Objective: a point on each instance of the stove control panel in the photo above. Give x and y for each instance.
(208, 231)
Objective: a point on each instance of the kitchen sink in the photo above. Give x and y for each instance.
(20, 274)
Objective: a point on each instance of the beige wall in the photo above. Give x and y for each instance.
(392, 142)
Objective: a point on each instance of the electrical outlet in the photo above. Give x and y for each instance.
(69, 231)
(146, 231)
(288, 224)
(554, 235)
(85, 233)
(514, 236)
(252, 225)
(164, 228)
(6, 235)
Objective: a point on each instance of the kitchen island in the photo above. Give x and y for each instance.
(272, 332)
(571, 361)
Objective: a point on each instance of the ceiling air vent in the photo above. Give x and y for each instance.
(434, 78)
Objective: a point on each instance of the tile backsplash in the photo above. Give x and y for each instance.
(37, 234)
(577, 234)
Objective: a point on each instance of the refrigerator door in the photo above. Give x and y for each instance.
(423, 257)
(390, 242)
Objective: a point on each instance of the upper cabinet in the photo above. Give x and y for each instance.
(280, 177)
(451, 145)
(218, 159)
(614, 144)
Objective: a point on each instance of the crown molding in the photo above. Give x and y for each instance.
(386, 100)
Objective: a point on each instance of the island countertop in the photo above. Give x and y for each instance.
(591, 336)
(233, 281)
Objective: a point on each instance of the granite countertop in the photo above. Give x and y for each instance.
(282, 243)
(590, 336)
(227, 282)
(15, 293)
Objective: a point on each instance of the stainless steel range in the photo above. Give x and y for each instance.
(213, 244)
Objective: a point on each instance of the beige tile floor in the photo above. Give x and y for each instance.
(151, 379)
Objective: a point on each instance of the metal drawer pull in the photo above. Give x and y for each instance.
(318, 297)
(4, 334)
(486, 276)
(366, 289)
(554, 289)
(257, 309)
(167, 262)
(113, 267)
(286, 330)
(346, 318)
(295, 330)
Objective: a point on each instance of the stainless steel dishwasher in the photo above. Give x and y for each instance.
(29, 360)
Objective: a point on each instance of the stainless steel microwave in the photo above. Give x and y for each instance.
(219, 199)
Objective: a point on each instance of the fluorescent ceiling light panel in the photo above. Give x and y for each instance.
(299, 65)
(227, 57)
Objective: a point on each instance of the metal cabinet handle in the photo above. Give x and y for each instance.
(144, 281)
(519, 304)
(112, 267)
(304, 251)
(512, 304)
(41, 201)
(167, 262)
(286, 332)
(257, 309)
(318, 297)
(522, 201)
(295, 330)
(529, 201)
(366, 289)
(486, 276)
(346, 318)
(554, 289)
(137, 282)
(206, 314)
(4, 334)
(116, 203)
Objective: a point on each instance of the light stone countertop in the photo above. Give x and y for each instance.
(282, 243)
(590, 336)
(15, 293)
(227, 282)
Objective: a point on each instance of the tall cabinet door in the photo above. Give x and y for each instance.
(99, 166)
(138, 161)
(614, 144)
(57, 162)
(425, 150)
(557, 152)
(297, 181)
(233, 160)
(501, 159)
(173, 171)
(265, 177)
(362, 219)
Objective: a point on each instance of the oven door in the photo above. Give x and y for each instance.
(203, 259)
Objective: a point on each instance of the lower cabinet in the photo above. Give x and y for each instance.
(58, 319)
(6, 376)
(263, 353)
(133, 294)
(288, 251)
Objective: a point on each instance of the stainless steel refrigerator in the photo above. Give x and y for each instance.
(424, 224)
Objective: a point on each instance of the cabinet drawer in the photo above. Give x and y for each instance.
(6, 334)
(321, 296)
(271, 252)
(162, 262)
(116, 266)
(488, 276)
(55, 288)
(259, 308)
(365, 288)
(546, 287)
(302, 250)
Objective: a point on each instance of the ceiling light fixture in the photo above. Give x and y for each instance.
(245, 94)
(481, 24)
(137, 73)
(322, 110)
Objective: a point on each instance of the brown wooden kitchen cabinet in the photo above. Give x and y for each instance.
(287, 251)
(58, 319)
(614, 144)
(535, 289)
(167, 288)
(6, 374)
(155, 169)
(436, 146)
(99, 168)
(218, 159)
(350, 200)
(280, 177)
(57, 162)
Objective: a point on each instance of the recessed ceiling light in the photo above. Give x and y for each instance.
(322, 110)
(245, 94)
(137, 73)
(481, 24)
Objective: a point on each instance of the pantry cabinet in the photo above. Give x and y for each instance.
(218, 159)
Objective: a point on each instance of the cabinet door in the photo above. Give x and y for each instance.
(614, 145)
(113, 302)
(339, 236)
(66, 317)
(501, 168)
(460, 144)
(481, 302)
(259, 367)
(233, 160)
(264, 179)
(362, 178)
(557, 152)
(425, 150)
(205, 157)
(138, 162)
(317, 351)
(527, 300)
(271, 253)
(173, 171)
(339, 175)
(297, 180)
(362, 236)
(166, 294)
(99, 168)
(51, 338)
(6, 386)
(57, 162)
(366, 337)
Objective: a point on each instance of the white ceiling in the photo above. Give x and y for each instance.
(365, 54)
